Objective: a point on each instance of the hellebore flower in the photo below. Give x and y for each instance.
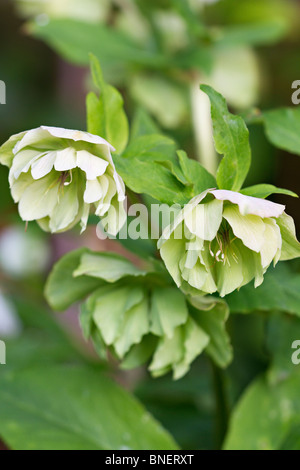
(56, 174)
(222, 239)
(139, 320)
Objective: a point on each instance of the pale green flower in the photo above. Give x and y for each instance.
(221, 240)
(91, 11)
(141, 317)
(56, 174)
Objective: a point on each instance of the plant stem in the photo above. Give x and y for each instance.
(202, 126)
(222, 406)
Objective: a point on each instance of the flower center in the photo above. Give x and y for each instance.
(222, 245)
(64, 177)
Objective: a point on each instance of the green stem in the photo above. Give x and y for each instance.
(222, 405)
(202, 127)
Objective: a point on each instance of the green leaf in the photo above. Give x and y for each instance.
(142, 124)
(265, 190)
(268, 413)
(106, 116)
(151, 165)
(109, 267)
(144, 176)
(90, 412)
(75, 40)
(279, 292)
(283, 128)
(262, 417)
(94, 111)
(211, 315)
(261, 33)
(193, 22)
(231, 138)
(195, 174)
(282, 331)
(155, 147)
(62, 289)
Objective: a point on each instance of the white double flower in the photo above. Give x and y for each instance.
(56, 174)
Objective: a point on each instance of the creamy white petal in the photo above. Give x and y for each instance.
(272, 244)
(32, 137)
(180, 217)
(120, 186)
(38, 199)
(171, 252)
(85, 217)
(249, 228)
(115, 218)
(76, 135)
(93, 166)
(93, 191)
(43, 165)
(229, 274)
(196, 277)
(23, 161)
(290, 245)
(66, 209)
(104, 204)
(6, 150)
(249, 204)
(205, 219)
(66, 159)
(18, 187)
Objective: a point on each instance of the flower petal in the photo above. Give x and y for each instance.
(84, 217)
(18, 186)
(249, 228)
(251, 264)
(229, 273)
(109, 191)
(32, 137)
(249, 204)
(38, 199)
(75, 135)
(66, 159)
(115, 218)
(171, 252)
(22, 162)
(272, 243)
(180, 217)
(6, 150)
(66, 209)
(93, 191)
(42, 166)
(205, 219)
(196, 277)
(93, 166)
(290, 245)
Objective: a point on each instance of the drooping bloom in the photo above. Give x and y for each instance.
(140, 321)
(56, 174)
(221, 240)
